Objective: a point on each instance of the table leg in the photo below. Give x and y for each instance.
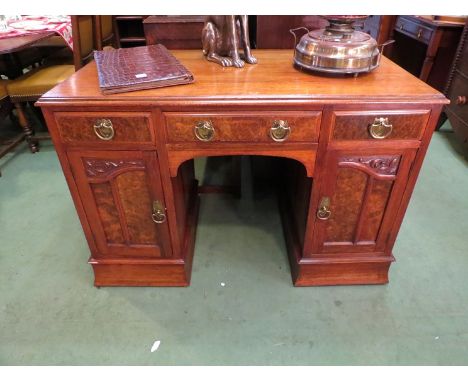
(430, 55)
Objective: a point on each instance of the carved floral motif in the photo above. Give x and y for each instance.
(382, 164)
(105, 167)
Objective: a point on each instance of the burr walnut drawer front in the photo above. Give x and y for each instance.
(107, 129)
(379, 125)
(261, 127)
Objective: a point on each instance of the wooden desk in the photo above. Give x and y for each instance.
(425, 48)
(345, 192)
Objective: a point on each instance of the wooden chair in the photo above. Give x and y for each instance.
(104, 32)
(6, 108)
(83, 44)
(83, 31)
(30, 86)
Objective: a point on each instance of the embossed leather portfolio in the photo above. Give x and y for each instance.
(142, 67)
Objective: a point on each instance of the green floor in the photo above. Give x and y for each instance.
(241, 307)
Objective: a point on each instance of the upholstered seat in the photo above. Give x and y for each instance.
(32, 85)
(38, 81)
(3, 90)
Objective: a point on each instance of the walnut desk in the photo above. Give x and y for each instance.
(355, 148)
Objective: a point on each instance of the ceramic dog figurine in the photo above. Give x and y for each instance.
(223, 36)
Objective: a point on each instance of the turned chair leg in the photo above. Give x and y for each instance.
(28, 131)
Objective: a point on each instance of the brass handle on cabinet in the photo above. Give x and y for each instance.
(420, 33)
(461, 100)
(158, 214)
(323, 212)
(104, 129)
(204, 131)
(280, 131)
(381, 128)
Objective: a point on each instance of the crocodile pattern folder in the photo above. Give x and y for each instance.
(143, 67)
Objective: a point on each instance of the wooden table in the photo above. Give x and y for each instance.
(12, 62)
(356, 147)
(18, 43)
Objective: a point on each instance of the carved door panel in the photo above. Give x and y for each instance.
(123, 201)
(359, 198)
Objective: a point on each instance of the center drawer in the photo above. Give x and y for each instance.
(250, 127)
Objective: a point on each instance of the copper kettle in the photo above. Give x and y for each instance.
(338, 48)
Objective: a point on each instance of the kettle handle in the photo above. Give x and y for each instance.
(294, 34)
(382, 46)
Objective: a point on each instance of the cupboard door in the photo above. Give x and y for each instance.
(359, 198)
(123, 200)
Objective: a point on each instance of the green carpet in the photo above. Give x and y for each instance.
(241, 307)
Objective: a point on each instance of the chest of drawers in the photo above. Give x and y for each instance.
(355, 147)
(457, 91)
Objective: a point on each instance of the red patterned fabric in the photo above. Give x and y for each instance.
(37, 24)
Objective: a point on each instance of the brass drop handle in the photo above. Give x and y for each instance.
(381, 128)
(104, 129)
(158, 214)
(323, 212)
(204, 131)
(280, 131)
(461, 100)
(420, 32)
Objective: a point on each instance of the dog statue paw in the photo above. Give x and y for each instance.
(223, 36)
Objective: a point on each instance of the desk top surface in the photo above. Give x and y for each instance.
(273, 79)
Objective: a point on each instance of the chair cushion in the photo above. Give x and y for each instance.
(39, 80)
(3, 90)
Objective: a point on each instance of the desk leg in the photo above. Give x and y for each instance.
(430, 55)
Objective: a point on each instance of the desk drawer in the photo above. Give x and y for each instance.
(246, 127)
(379, 125)
(107, 129)
(413, 29)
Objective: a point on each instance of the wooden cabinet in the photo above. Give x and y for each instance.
(123, 201)
(457, 91)
(174, 32)
(349, 149)
(272, 32)
(129, 31)
(360, 194)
